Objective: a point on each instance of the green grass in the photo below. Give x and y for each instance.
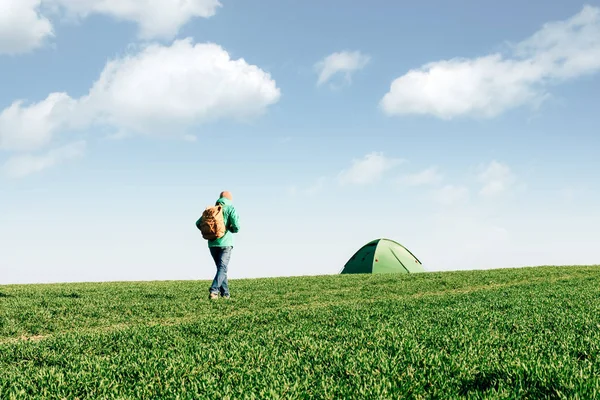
(520, 333)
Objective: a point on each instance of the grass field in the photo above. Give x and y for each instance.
(519, 333)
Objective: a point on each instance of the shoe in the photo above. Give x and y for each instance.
(213, 296)
(226, 297)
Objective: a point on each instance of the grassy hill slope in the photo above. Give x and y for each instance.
(532, 332)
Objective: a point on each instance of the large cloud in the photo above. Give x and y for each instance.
(161, 90)
(22, 28)
(489, 85)
(156, 18)
(165, 89)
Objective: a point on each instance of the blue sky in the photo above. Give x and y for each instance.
(467, 132)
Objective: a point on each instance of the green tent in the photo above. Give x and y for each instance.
(383, 256)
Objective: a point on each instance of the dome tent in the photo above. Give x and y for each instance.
(382, 256)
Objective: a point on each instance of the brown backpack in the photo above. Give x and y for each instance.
(213, 224)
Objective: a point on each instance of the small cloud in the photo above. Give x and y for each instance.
(451, 194)
(573, 193)
(317, 187)
(24, 165)
(496, 178)
(292, 190)
(369, 169)
(30, 127)
(428, 176)
(343, 62)
(312, 190)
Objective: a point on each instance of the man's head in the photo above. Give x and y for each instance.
(227, 195)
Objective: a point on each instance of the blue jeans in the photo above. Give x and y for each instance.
(221, 255)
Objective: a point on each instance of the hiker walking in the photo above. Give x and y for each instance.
(218, 224)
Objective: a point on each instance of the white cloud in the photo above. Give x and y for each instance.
(368, 169)
(451, 194)
(574, 193)
(342, 62)
(23, 165)
(292, 190)
(22, 28)
(466, 239)
(490, 85)
(311, 190)
(30, 127)
(428, 176)
(160, 90)
(317, 187)
(155, 18)
(164, 89)
(496, 178)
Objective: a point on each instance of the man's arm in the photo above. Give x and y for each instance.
(234, 221)
(199, 222)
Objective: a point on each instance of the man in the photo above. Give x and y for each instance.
(220, 249)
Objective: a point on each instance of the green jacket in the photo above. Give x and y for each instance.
(232, 224)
